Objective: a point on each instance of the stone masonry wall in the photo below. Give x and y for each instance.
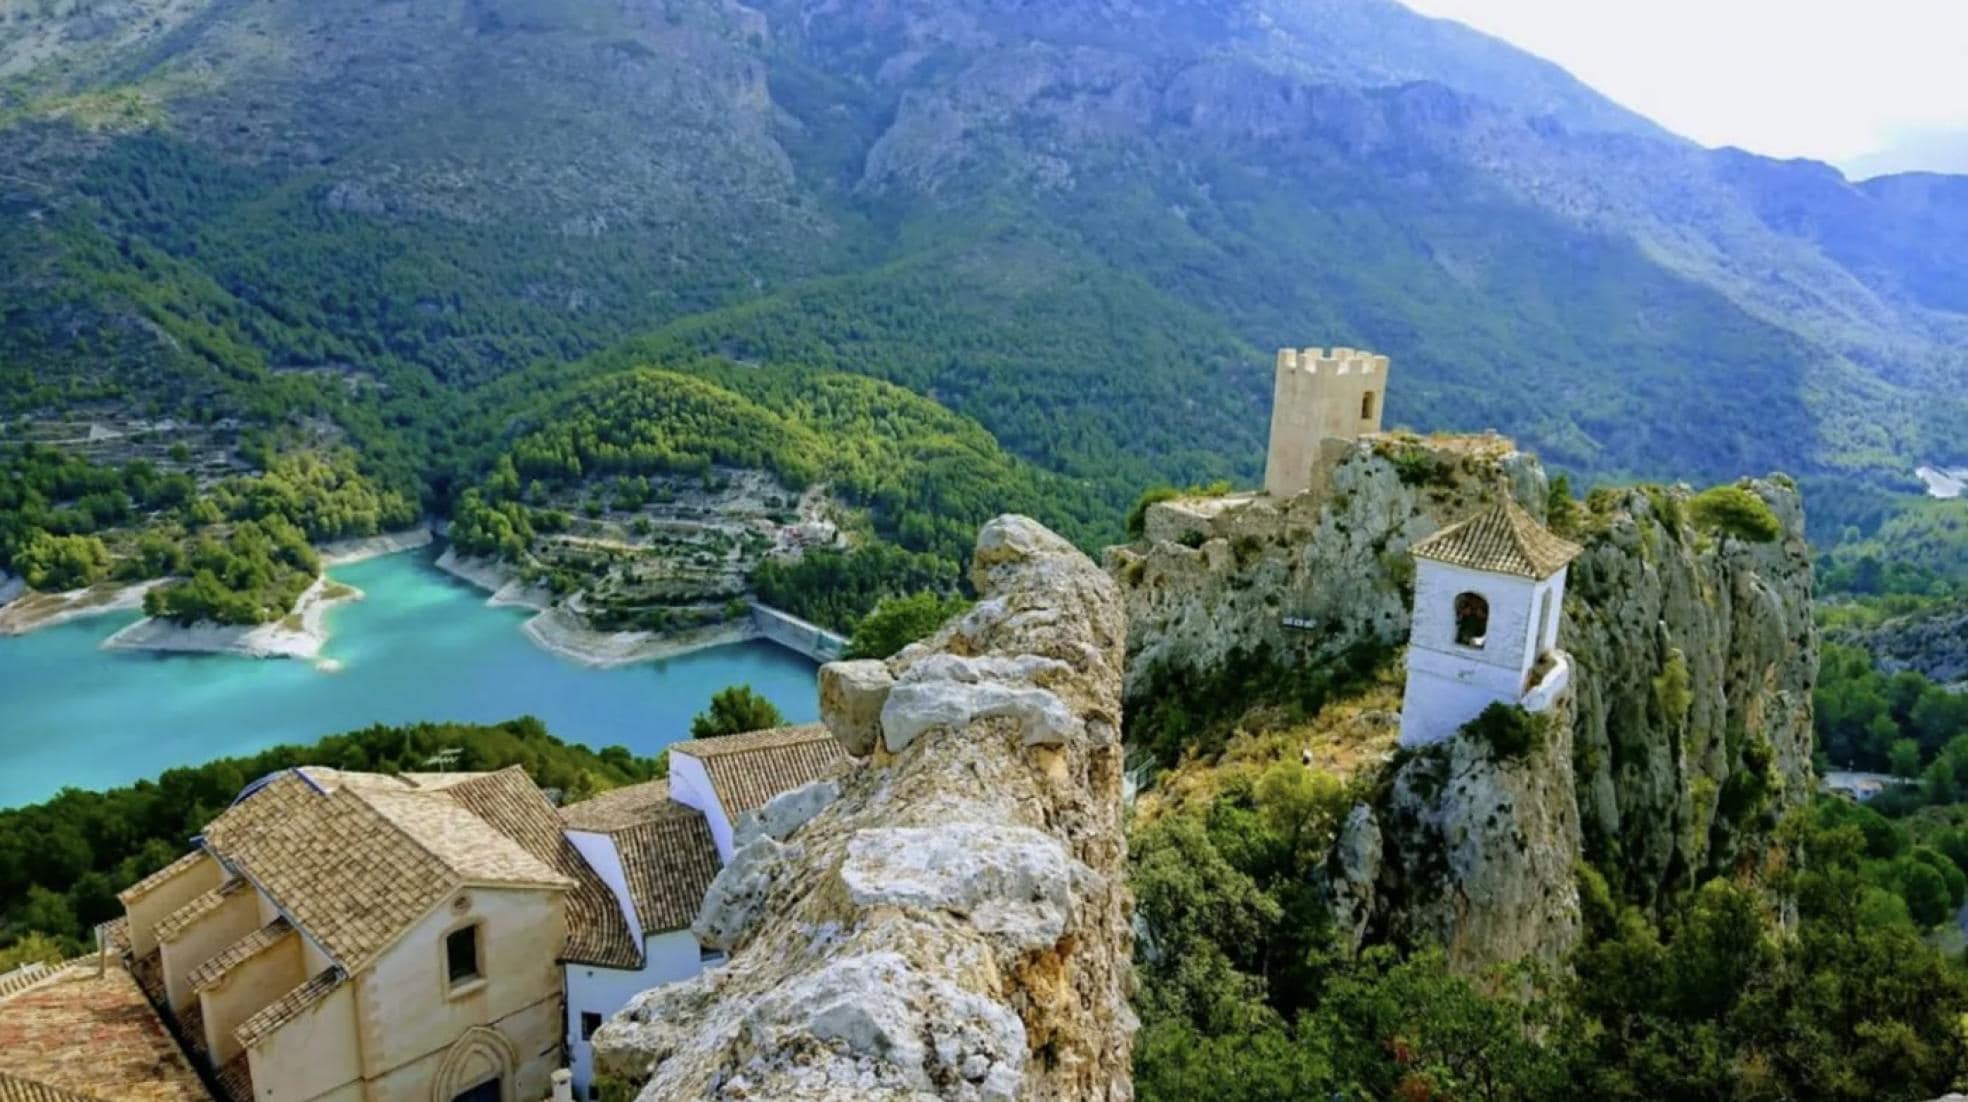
(949, 920)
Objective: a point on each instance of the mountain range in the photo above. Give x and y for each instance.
(1084, 224)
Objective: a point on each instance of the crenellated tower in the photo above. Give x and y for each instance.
(1319, 394)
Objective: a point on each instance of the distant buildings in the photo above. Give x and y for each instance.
(445, 936)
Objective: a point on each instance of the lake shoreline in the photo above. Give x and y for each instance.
(30, 612)
(22, 611)
(364, 548)
(418, 648)
(301, 634)
(565, 635)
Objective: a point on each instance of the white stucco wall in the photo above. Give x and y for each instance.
(599, 851)
(244, 990)
(1450, 684)
(199, 942)
(668, 957)
(1512, 603)
(691, 786)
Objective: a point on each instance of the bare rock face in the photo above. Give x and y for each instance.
(1479, 853)
(954, 923)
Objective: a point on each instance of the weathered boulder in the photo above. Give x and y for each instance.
(786, 812)
(851, 696)
(955, 923)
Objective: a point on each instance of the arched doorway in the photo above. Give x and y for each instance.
(1472, 620)
(478, 1068)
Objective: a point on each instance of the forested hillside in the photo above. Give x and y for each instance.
(1084, 226)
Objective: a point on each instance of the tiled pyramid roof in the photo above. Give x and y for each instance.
(1503, 539)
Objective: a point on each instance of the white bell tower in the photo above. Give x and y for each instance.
(1489, 591)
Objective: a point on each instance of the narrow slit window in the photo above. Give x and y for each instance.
(1367, 406)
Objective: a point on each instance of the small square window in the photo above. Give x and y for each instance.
(461, 955)
(590, 1021)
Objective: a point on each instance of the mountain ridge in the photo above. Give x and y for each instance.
(1149, 195)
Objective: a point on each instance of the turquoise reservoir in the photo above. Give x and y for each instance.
(421, 645)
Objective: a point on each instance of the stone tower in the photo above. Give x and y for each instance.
(1489, 592)
(1319, 394)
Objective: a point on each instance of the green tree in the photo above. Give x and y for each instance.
(1736, 511)
(1904, 758)
(898, 621)
(735, 710)
(50, 563)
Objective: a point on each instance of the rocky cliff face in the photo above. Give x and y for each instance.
(1684, 734)
(950, 920)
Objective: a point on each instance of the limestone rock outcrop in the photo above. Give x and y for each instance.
(1213, 575)
(954, 921)
(1477, 852)
(1683, 736)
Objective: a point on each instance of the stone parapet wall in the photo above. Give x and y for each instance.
(950, 919)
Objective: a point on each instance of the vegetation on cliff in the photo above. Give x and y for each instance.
(1250, 992)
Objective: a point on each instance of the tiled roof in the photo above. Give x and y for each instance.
(1502, 539)
(513, 805)
(239, 952)
(157, 879)
(355, 859)
(27, 1090)
(200, 905)
(749, 769)
(617, 808)
(90, 1036)
(286, 1008)
(669, 860)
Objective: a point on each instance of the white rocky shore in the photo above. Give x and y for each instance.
(300, 634)
(22, 611)
(562, 632)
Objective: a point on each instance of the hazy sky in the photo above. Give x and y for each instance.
(1830, 79)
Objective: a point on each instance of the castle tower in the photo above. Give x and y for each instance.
(1488, 595)
(1319, 394)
